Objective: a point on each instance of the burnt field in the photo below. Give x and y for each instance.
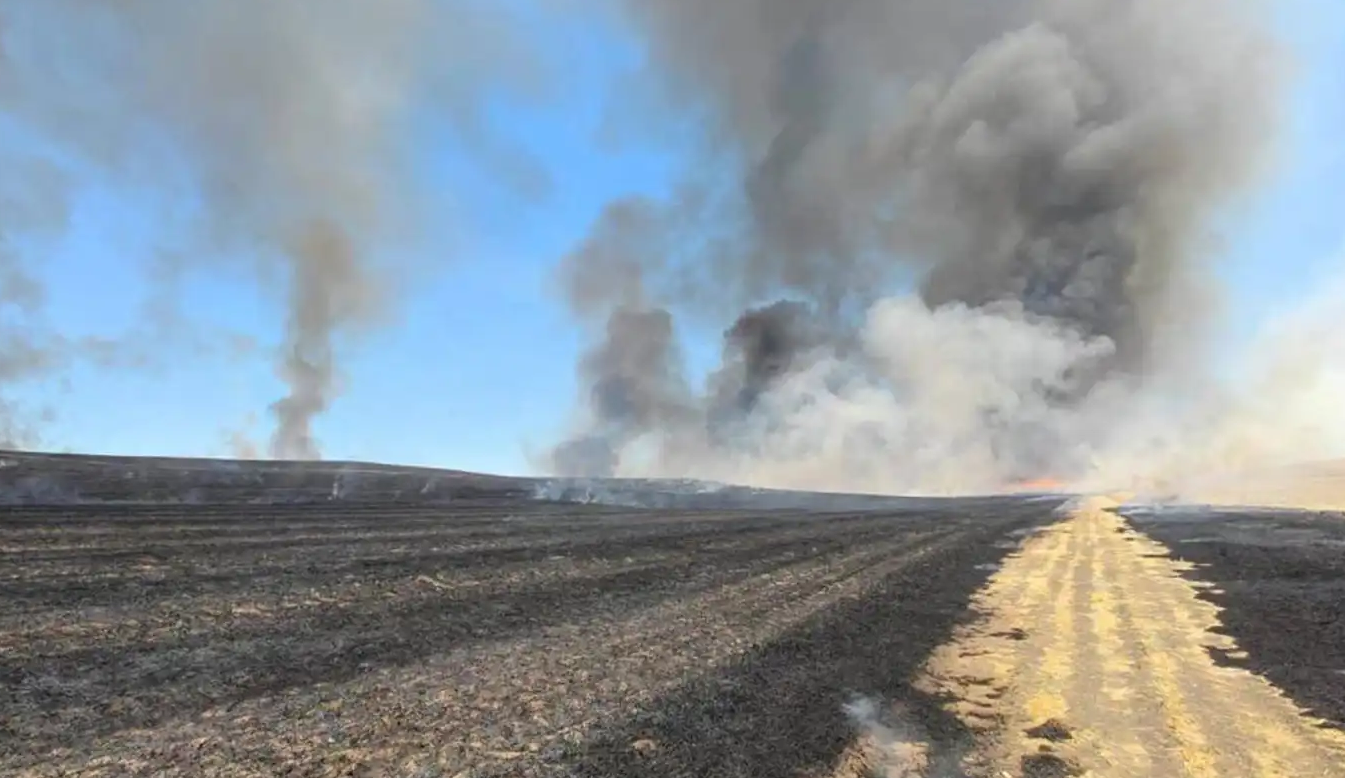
(1278, 577)
(187, 618)
(482, 632)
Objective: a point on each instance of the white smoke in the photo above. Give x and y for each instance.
(1051, 175)
(954, 389)
(893, 745)
(1229, 440)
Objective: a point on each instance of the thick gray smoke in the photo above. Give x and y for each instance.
(1042, 176)
(763, 346)
(288, 118)
(635, 388)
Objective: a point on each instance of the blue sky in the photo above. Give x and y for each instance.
(478, 367)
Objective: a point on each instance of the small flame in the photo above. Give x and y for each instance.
(1039, 485)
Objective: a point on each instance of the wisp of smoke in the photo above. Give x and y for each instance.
(287, 118)
(893, 745)
(1243, 443)
(987, 232)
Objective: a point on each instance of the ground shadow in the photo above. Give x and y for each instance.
(177, 676)
(778, 710)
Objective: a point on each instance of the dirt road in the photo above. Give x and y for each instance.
(1096, 656)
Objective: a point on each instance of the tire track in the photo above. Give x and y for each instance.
(1123, 670)
(1051, 674)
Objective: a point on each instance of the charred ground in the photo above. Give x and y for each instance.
(284, 622)
(1279, 578)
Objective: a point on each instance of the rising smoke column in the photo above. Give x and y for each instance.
(635, 389)
(632, 374)
(1053, 166)
(289, 119)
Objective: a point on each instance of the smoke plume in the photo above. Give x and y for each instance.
(288, 124)
(988, 228)
(949, 244)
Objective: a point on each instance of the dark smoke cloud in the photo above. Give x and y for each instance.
(762, 347)
(1041, 173)
(1061, 155)
(1044, 173)
(289, 119)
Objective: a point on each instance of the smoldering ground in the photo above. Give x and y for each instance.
(284, 124)
(894, 745)
(989, 227)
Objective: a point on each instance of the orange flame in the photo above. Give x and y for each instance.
(1039, 485)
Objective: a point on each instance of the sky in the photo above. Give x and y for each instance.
(476, 370)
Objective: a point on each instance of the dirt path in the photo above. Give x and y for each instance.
(1094, 659)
